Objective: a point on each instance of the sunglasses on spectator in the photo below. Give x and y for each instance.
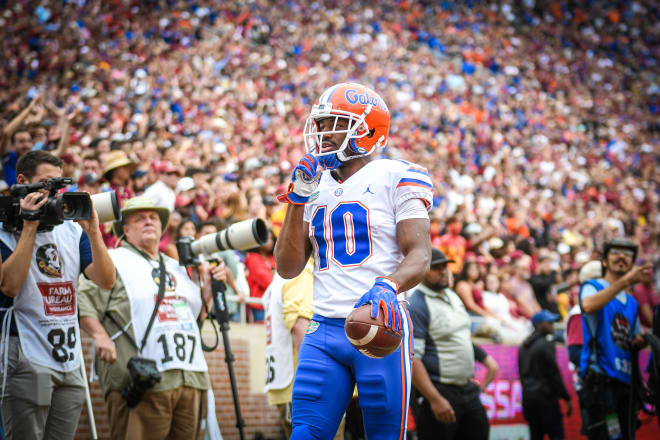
(624, 252)
(171, 173)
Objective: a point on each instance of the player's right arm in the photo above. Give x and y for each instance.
(293, 248)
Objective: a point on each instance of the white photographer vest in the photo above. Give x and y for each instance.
(279, 344)
(174, 341)
(45, 308)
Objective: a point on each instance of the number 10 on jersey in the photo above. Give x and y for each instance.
(342, 235)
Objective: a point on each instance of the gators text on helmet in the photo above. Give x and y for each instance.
(368, 123)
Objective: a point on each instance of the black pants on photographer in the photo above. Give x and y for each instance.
(602, 399)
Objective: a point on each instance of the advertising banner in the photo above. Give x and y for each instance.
(503, 397)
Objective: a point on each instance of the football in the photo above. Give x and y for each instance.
(370, 336)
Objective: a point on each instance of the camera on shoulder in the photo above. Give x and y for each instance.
(58, 208)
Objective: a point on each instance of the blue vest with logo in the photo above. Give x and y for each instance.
(613, 337)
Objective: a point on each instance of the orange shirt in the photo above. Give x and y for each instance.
(454, 247)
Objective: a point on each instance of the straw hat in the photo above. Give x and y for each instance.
(116, 159)
(140, 203)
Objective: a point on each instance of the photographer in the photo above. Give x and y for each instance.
(611, 327)
(43, 387)
(159, 390)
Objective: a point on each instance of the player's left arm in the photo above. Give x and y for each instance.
(413, 236)
(414, 239)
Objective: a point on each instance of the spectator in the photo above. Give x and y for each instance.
(510, 329)
(542, 384)
(118, 170)
(647, 299)
(168, 240)
(443, 365)
(236, 208)
(139, 181)
(492, 368)
(162, 191)
(542, 282)
(89, 183)
(186, 228)
(521, 290)
(19, 137)
(453, 244)
(260, 265)
(91, 163)
(180, 393)
(21, 142)
(236, 280)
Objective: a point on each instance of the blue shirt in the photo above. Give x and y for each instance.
(85, 250)
(9, 168)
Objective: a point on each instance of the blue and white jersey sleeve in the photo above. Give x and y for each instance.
(414, 182)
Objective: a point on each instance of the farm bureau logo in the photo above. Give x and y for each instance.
(49, 261)
(59, 298)
(353, 97)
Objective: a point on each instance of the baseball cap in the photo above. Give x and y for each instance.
(438, 257)
(139, 173)
(185, 184)
(545, 316)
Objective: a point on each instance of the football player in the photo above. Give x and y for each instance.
(366, 224)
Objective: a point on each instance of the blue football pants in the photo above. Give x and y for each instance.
(328, 369)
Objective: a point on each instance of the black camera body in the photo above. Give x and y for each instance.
(58, 208)
(144, 375)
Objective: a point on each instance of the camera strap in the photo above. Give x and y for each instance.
(161, 293)
(162, 279)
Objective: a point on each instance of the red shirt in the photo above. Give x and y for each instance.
(574, 330)
(260, 274)
(645, 294)
(123, 193)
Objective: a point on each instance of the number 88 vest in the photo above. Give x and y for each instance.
(45, 308)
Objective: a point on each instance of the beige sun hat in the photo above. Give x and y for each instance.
(140, 203)
(116, 159)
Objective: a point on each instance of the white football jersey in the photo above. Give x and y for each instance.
(352, 228)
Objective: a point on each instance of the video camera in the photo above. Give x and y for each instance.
(58, 208)
(241, 236)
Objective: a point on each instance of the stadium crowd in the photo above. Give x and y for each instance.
(538, 121)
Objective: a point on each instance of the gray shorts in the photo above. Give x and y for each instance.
(39, 402)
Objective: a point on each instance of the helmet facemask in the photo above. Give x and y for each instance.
(357, 128)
